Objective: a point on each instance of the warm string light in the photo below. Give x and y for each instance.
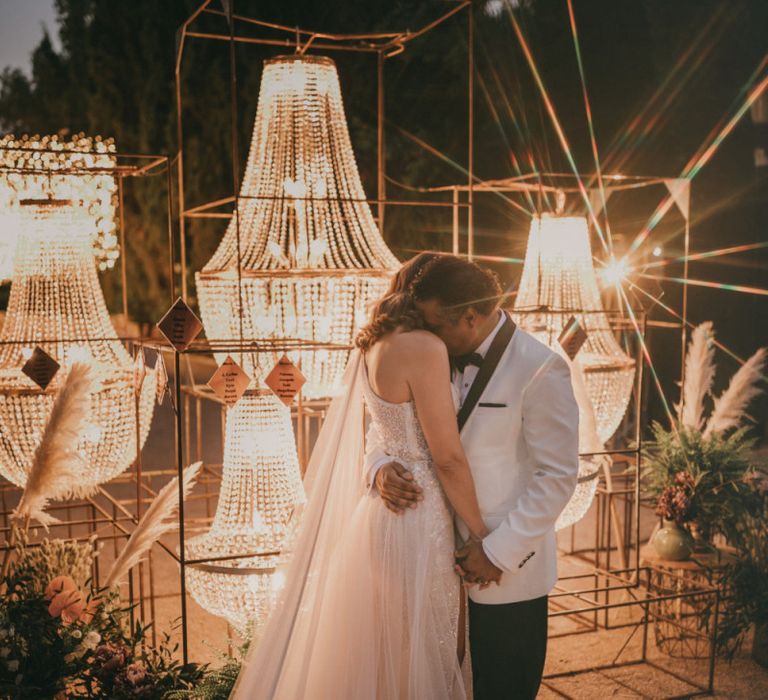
(50, 166)
(261, 491)
(310, 257)
(56, 302)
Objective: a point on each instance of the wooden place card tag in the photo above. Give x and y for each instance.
(285, 380)
(229, 382)
(572, 337)
(180, 325)
(41, 368)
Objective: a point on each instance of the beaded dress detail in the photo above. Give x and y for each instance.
(427, 543)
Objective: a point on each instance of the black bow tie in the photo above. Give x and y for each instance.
(471, 358)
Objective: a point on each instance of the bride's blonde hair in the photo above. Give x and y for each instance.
(396, 308)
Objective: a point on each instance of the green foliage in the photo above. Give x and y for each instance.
(217, 683)
(35, 650)
(721, 466)
(745, 584)
(728, 497)
(51, 558)
(91, 653)
(38, 652)
(129, 669)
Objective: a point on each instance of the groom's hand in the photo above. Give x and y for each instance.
(474, 566)
(397, 487)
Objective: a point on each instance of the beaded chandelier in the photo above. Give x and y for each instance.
(559, 282)
(56, 303)
(260, 491)
(302, 256)
(74, 169)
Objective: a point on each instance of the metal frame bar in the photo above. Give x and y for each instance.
(646, 604)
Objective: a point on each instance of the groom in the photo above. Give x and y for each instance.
(518, 421)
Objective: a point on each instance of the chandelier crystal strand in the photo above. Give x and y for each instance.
(310, 260)
(559, 281)
(260, 462)
(50, 166)
(589, 444)
(311, 257)
(56, 302)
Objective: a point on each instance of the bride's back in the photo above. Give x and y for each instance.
(392, 359)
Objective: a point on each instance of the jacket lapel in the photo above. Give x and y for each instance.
(487, 369)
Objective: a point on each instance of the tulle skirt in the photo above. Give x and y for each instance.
(370, 605)
(388, 623)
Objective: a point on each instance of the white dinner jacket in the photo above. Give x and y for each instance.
(521, 442)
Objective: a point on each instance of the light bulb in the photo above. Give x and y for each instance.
(615, 271)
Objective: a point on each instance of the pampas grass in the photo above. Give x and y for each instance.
(57, 464)
(730, 407)
(153, 525)
(699, 375)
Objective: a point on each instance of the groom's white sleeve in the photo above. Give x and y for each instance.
(551, 432)
(375, 456)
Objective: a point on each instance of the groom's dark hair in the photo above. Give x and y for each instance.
(458, 285)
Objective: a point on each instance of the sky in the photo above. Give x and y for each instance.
(21, 27)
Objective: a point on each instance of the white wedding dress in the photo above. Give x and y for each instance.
(371, 606)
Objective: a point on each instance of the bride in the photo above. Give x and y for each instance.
(371, 605)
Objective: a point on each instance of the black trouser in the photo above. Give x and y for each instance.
(508, 644)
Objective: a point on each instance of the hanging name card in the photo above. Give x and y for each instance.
(180, 325)
(572, 337)
(41, 368)
(285, 380)
(229, 382)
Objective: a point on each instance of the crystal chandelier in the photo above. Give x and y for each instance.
(260, 491)
(56, 303)
(76, 169)
(302, 256)
(7, 243)
(559, 282)
(590, 446)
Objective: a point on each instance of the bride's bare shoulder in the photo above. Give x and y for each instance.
(422, 345)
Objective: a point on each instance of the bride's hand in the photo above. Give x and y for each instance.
(474, 566)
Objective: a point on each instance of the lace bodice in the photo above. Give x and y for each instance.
(397, 425)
